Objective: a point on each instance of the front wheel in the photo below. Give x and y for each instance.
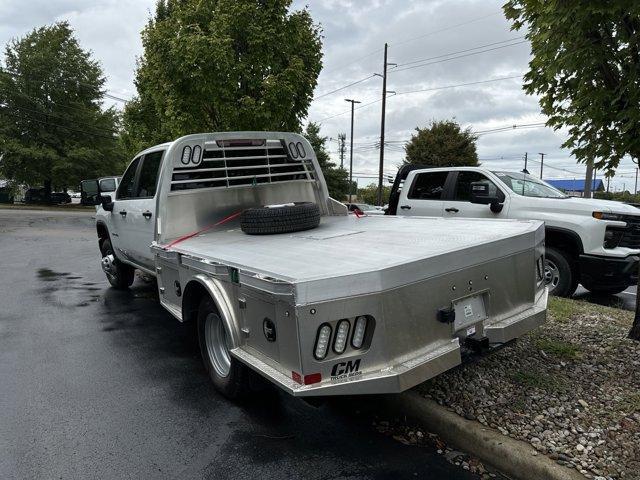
(120, 275)
(229, 376)
(558, 274)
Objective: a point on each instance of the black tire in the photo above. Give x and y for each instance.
(236, 383)
(268, 220)
(559, 275)
(605, 290)
(123, 274)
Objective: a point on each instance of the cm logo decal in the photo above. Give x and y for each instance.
(347, 369)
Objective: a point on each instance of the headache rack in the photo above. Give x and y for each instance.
(229, 163)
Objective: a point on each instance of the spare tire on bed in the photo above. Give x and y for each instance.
(290, 217)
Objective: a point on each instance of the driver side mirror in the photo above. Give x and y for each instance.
(106, 202)
(481, 193)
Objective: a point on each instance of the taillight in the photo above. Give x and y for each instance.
(197, 151)
(342, 334)
(186, 155)
(359, 329)
(322, 342)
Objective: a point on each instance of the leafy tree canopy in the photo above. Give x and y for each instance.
(337, 178)
(369, 194)
(217, 65)
(442, 144)
(52, 127)
(585, 68)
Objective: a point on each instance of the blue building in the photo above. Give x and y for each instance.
(575, 187)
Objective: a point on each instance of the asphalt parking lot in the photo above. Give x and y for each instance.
(97, 383)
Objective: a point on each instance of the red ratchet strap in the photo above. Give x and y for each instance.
(191, 235)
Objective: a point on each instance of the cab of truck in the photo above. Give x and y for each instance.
(592, 242)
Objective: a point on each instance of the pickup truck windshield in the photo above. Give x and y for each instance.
(528, 186)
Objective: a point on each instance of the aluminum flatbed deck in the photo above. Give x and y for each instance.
(347, 255)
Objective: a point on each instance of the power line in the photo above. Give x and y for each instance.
(32, 79)
(75, 122)
(423, 90)
(462, 51)
(457, 57)
(408, 40)
(509, 127)
(22, 117)
(459, 85)
(345, 86)
(445, 29)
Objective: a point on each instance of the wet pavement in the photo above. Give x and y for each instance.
(96, 383)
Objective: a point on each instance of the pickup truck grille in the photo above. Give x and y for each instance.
(247, 164)
(631, 236)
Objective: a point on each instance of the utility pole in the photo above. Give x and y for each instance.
(382, 120)
(526, 154)
(541, 163)
(588, 180)
(342, 147)
(608, 180)
(353, 102)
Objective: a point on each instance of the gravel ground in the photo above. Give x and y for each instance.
(571, 389)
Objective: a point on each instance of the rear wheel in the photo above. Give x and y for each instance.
(558, 274)
(229, 376)
(120, 275)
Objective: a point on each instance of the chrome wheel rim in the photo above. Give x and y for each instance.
(551, 275)
(217, 345)
(108, 266)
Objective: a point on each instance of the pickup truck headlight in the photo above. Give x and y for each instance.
(608, 216)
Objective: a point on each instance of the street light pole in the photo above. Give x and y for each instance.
(353, 102)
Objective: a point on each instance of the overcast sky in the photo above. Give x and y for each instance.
(421, 35)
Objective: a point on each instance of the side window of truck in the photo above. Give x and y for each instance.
(463, 185)
(148, 181)
(126, 189)
(428, 186)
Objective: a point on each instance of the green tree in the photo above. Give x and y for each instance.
(586, 72)
(369, 194)
(337, 178)
(53, 130)
(442, 144)
(216, 65)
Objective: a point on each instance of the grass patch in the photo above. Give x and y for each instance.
(542, 381)
(562, 309)
(558, 348)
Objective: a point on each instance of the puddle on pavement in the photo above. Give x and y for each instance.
(48, 275)
(64, 290)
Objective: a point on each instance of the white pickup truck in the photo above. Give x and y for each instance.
(246, 243)
(588, 241)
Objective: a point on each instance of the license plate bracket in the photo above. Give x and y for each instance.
(469, 311)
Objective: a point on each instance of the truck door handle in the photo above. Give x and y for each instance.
(146, 214)
(451, 210)
(406, 207)
(123, 213)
